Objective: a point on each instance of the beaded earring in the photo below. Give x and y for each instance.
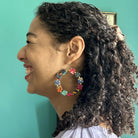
(59, 86)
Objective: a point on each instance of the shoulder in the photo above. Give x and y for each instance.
(90, 132)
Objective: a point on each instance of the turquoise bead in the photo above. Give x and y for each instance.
(64, 92)
(63, 72)
(58, 76)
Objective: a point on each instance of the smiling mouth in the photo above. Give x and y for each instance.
(27, 76)
(28, 71)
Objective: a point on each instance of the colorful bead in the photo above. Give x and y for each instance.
(63, 72)
(80, 80)
(57, 82)
(59, 88)
(64, 92)
(58, 76)
(70, 94)
(77, 74)
(80, 86)
(72, 70)
(75, 92)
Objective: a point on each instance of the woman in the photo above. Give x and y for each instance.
(83, 65)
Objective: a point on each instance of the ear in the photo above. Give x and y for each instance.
(75, 49)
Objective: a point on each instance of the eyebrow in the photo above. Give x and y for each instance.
(31, 34)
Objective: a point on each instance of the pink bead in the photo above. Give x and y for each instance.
(72, 71)
(70, 94)
(79, 86)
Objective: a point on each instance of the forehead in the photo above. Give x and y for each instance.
(39, 32)
(35, 25)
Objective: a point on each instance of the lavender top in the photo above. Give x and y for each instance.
(91, 132)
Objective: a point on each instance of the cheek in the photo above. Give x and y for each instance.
(46, 63)
(45, 68)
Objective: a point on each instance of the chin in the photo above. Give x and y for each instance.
(30, 90)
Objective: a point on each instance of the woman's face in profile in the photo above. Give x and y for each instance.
(41, 58)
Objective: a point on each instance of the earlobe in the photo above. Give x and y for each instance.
(75, 49)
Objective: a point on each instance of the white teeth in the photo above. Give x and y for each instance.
(28, 70)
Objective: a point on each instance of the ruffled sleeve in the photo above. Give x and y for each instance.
(91, 132)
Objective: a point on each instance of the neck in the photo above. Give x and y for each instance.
(64, 103)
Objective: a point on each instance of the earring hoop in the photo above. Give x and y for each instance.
(59, 86)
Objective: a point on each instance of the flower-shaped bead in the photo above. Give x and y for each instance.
(72, 70)
(80, 80)
(70, 94)
(77, 74)
(59, 88)
(57, 82)
(80, 86)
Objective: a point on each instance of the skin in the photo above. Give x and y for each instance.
(47, 58)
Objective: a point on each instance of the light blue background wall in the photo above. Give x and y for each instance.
(31, 116)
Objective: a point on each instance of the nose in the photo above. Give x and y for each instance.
(21, 55)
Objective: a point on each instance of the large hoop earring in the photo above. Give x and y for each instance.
(59, 86)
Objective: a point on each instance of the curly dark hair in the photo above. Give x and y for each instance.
(109, 70)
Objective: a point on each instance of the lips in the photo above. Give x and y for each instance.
(27, 66)
(28, 71)
(27, 76)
